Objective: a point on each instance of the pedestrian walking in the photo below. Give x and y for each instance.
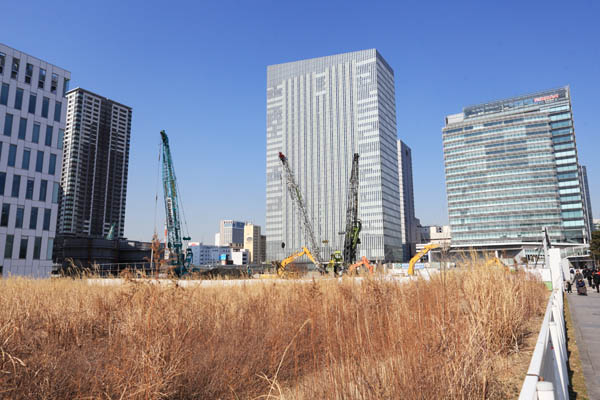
(596, 277)
(588, 276)
(578, 275)
(568, 284)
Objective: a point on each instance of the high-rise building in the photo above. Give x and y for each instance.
(252, 243)
(587, 201)
(96, 159)
(231, 233)
(512, 169)
(319, 112)
(32, 120)
(408, 220)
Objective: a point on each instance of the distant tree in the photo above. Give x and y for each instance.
(595, 246)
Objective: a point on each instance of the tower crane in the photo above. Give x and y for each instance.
(295, 194)
(353, 224)
(179, 261)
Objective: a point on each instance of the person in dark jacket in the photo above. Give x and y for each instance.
(588, 275)
(596, 278)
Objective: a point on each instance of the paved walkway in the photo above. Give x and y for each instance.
(585, 311)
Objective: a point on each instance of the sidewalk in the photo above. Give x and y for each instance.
(585, 311)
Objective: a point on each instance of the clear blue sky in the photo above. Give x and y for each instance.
(198, 70)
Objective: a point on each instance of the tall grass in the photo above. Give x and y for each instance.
(444, 338)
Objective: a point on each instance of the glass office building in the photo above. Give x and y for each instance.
(319, 112)
(512, 169)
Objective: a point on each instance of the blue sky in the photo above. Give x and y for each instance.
(198, 70)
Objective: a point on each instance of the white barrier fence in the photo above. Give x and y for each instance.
(547, 376)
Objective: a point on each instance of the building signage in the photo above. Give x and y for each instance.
(544, 98)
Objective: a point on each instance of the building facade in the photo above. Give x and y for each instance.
(319, 113)
(32, 119)
(587, 201)
(252, 243)
(512, 169)
(95, 166)
(408, 220)
(205, 254)
(231, 233)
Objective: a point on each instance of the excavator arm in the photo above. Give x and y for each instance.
(417, 257)
(364, 262)
(280, 266)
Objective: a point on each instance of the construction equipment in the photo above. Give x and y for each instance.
(294, 191)
(336, 262)
(362, 262)
(353, 224)
(280, 266)
(417, 257)
(111, 232)
(178, 261)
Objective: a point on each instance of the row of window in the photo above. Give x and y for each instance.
(32, 105)
(35, 133)
(25, 160)
(29, 189)
(20, 216)
(24, 244)
(29, 75)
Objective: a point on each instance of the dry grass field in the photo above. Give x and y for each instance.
(459, 335)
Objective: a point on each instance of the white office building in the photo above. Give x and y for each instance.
(32, 119)
(319, 112)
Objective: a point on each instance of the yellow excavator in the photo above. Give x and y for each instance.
(280, 266)
(417, 257)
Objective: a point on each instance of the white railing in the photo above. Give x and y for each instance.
(547, 376)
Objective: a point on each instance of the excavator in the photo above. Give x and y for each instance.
(280, 266)
(364, 261)
(417, 257)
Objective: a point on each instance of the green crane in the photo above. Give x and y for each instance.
(179, 261)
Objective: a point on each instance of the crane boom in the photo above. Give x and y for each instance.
(173, 220)
(353, 224)
(296, 195)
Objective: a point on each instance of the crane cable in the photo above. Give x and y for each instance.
(157, 187)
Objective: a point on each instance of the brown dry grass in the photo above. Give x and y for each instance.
(450, 337)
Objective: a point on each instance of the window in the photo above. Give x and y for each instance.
(19, 99)
(35, 136)
(61, 138)
(49, 248)
(54, 83)
(12, 155)
(65, 86)
(48, 141)
(5, 214)
(16, 186)
(15, 68)
(42, 78)
(2, 182)
(52, 165)
(23, 247)
(32, 100)
(20, 215)
(55, 191)
(8, 120)
(2, 60)
(22, 128)
(43, 190)
(39, 162)
(47, 217)
(37, 248)
(8, 249)
(45, 105)
(4, 94)
(28, 73)
(33, 218)
(29, 189)
(57, 109)
(26, 157)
